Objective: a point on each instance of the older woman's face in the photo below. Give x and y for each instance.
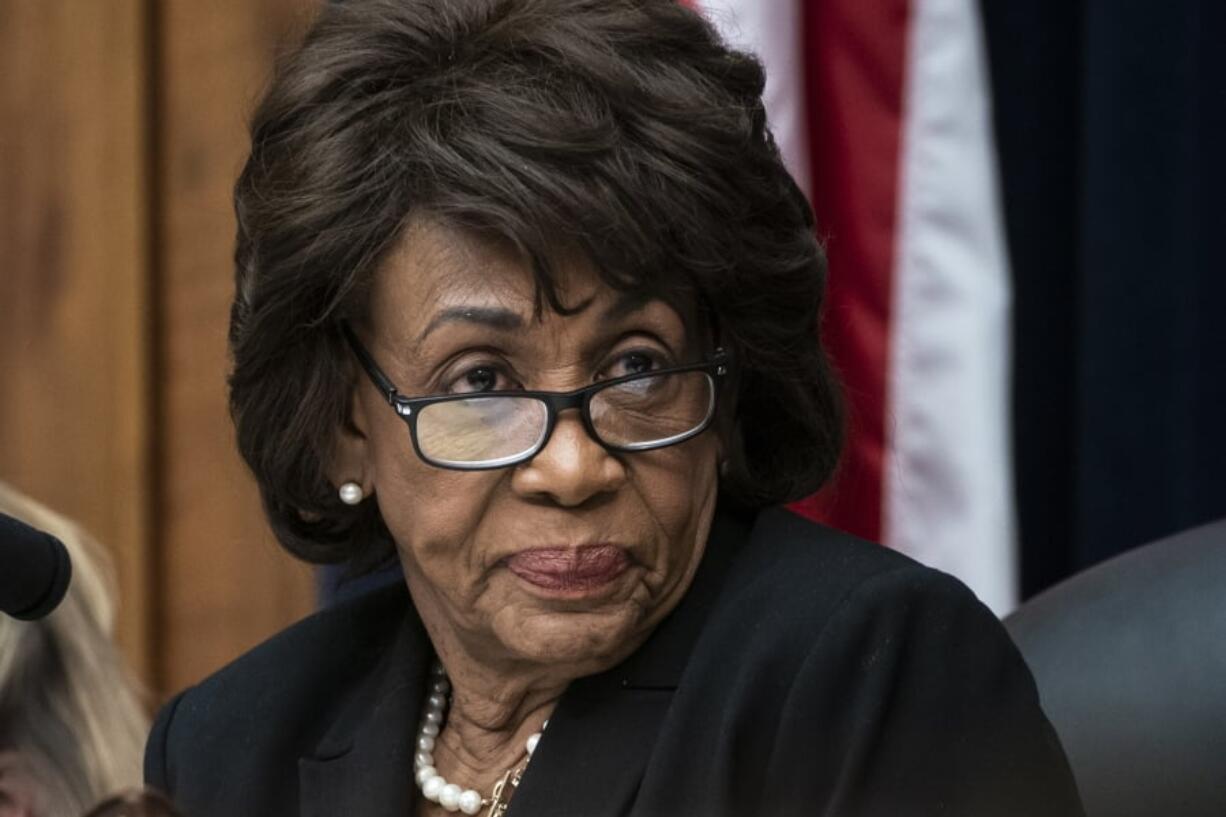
(573, 557)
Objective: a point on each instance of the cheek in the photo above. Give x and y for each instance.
(432, 513)
(678, 490)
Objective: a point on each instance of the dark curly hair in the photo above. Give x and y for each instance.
(624, 128)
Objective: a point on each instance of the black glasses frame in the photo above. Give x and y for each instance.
(555, 402)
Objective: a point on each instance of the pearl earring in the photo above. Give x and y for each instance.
(351, 493)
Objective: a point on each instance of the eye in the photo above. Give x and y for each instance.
(479, 379)
(638, 361)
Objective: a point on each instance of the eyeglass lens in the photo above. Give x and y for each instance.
(492, 430)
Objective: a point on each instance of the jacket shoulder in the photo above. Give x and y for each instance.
(882, 681)
(796, 587)
(272, 703)
(808, 564)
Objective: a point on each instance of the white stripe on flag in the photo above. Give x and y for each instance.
(773, 29)
(948, 486)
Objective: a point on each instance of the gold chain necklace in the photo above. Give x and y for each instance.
(506, 785)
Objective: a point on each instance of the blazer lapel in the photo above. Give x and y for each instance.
(598, 744)
(363, 767)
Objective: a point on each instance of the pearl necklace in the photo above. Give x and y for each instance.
(433, 787)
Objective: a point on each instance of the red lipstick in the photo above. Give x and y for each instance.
(568, 570)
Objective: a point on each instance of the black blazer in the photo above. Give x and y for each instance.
(805, 672)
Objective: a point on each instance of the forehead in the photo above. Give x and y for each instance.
(434, 266)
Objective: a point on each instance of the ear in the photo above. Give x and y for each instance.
(19, 792)
(351, 449)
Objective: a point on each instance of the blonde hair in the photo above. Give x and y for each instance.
(68, 706)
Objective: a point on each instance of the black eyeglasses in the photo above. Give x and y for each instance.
(474, 432)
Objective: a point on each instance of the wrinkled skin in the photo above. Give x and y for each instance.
(453, 313)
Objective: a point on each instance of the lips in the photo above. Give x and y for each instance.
(570, 569)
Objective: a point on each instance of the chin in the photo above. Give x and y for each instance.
(590, 641)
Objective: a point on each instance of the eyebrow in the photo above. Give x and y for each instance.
(494, 317)
(506, 320)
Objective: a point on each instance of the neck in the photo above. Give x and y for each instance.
(493, 708)
(487, 722)
(483, 740)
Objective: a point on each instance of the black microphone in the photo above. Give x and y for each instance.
(34, 570)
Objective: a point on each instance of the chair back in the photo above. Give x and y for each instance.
(1130, 661)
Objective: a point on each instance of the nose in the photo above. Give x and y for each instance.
(572, 468)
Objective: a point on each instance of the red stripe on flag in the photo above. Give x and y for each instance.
(855, 54)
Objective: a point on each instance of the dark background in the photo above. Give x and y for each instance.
(1111, 124)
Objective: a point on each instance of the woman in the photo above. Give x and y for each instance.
(526, 298)
(71, 722)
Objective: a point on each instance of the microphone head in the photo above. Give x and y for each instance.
(34, 570)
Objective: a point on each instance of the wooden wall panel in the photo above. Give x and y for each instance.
(74, 271)
(225, 583)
